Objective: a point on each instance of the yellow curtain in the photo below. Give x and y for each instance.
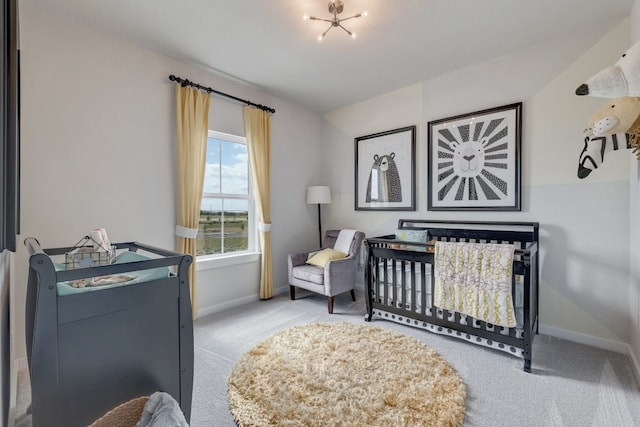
(192, 115)
(257, 125)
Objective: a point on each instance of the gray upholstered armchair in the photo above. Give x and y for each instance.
(336, 277)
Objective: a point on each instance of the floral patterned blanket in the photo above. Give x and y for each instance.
(475, 279)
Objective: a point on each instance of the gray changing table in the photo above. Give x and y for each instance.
(90, 351)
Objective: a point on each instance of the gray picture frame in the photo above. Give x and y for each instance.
(474, 161)
(385, 170)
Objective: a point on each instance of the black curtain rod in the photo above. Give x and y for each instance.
(185, 82)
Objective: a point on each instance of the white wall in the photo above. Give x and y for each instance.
(586, 270)
(98, 151)
(584, 231)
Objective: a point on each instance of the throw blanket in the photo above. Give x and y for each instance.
(161, 410)
(344, 240)
(475, 279)
(103, 280)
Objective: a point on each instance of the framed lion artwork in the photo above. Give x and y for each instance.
(474, 160)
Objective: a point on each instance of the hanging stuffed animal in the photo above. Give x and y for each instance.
(595, 148)
(619, 119)
(620, 79)
(620, 115)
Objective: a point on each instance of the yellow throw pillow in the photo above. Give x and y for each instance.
(324, 256)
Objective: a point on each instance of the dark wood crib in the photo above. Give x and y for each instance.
(399, 281)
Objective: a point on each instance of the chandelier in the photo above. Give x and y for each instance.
(335, 8)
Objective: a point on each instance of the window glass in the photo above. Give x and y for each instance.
(209, 239)
(235, 168)
(226, 213)
(212, 167)
(236, 225)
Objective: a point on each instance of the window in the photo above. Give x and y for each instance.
(226, 214)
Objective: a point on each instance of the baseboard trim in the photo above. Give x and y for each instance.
(635, 363)
(603, 343)
(205, 311)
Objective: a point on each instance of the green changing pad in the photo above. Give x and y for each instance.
(65, 288)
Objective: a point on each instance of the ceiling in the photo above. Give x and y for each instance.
(266, 42)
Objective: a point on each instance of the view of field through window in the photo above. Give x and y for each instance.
(225, 210)
(216, 227)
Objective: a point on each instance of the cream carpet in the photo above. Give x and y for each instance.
(571, 384)
(330, 374)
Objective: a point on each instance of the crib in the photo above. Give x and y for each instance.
(90, 349)
(399, 282)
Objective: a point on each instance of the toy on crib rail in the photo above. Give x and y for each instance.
(620, 79)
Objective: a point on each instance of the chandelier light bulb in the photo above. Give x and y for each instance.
(305, 18)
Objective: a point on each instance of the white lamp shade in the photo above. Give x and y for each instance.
(318, 194)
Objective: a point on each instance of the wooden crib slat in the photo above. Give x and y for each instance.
(394, 282)
(385, 290)
(413, 287)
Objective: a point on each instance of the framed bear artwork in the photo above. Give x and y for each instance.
(385, 171)
(474, 161)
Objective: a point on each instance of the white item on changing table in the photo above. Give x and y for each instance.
(100, 239)
(101, 251)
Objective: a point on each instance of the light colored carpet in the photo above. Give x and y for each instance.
(571, 384)
(328, 374)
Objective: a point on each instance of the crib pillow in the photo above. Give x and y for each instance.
(420, 236)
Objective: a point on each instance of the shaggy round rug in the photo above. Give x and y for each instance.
(330, 374)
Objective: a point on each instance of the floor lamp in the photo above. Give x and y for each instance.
(319, 194)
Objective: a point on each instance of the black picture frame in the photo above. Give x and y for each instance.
(475, 161)
(385, 170)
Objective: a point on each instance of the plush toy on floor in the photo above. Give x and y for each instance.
(620, 79)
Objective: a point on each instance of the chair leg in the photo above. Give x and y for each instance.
(292, 291)
(330, 305)
(353, 294)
